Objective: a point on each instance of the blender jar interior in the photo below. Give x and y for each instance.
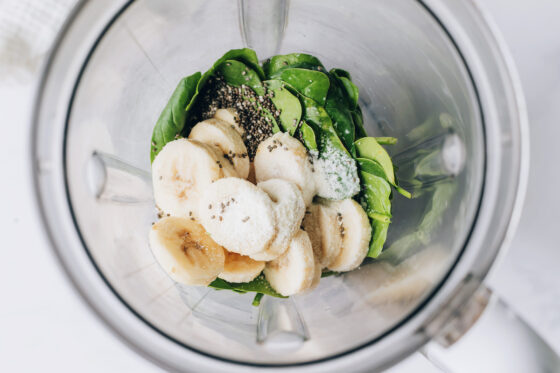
(413, 85)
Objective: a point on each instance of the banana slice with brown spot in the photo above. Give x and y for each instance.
(185, 251)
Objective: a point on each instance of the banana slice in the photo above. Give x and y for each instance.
(220, 134)
(238, 215)
(293, 271)
(321, 224)
(289, 209)
(184, 250)
(355, 230)
(231, 117)
(283, 157)
(181, 170)
(240, 268)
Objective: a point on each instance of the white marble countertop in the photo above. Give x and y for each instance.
(43, 324)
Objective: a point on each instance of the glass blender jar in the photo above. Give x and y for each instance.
(431, 73)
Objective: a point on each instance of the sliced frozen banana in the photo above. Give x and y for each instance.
(238, 215)
(282, 156)
(289, 209)
(184, 250)
(181, 170)
(321, 224)
(220, 134)
(231, 117)
(355, 230)
(293, 271)
(240, 268)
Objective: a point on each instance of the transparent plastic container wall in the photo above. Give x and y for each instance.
(414, 85)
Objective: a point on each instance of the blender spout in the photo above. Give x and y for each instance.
(280, 327)
(262, 24)
(113, 180)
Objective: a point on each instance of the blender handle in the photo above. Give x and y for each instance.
(488, 336)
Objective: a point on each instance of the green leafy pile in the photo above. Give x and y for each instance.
(319, 107)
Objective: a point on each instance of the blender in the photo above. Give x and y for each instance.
(431, 73)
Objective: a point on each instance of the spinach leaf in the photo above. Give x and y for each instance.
(350, 89)
(350, 93)
(376, 191)
(288, 105)
(378, 238)
(337, 109)
(246, 56)
(172, 119)
(273, 66)
(308, 136)
(309, 83)
(340, 73)
(316, 115)
(258, 285)
(236, 73)
(358, 120)
(368, 147)
(373, 167)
